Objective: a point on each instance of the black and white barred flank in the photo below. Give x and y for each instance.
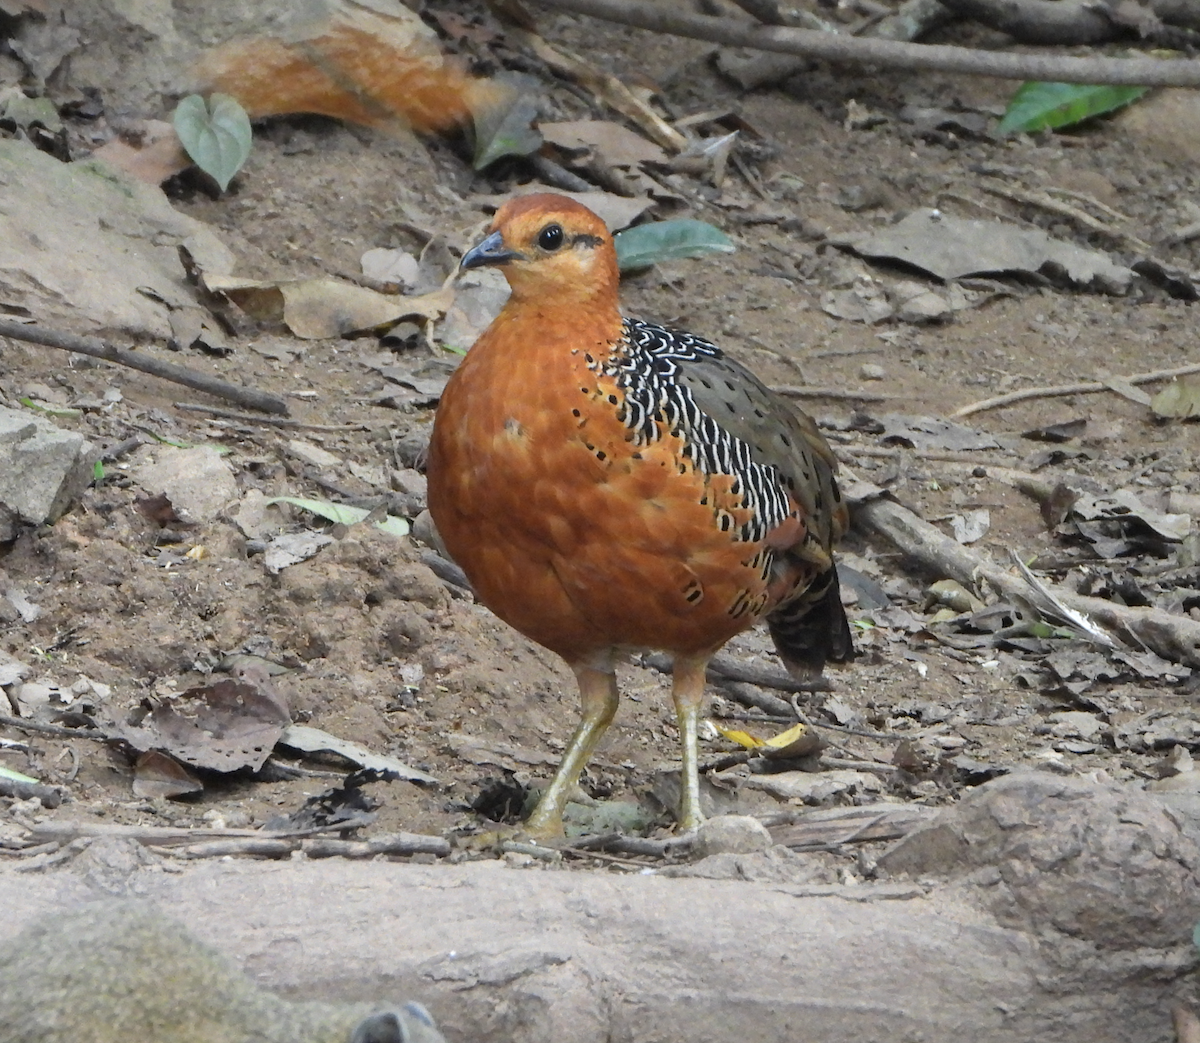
(646, 367)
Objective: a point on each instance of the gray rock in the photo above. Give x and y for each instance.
(732, 834)
(1103, 864)
(43, 470)
(82, 244)
(198, 481)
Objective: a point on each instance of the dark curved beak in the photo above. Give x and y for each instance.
(491, 251)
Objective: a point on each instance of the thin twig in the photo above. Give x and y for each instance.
(860, 733)
(100, 349)
(756, 698)
(846, 764)
(1061, 209)
(936, 455)
(1173, 636)
(671, 18)
(52, 729)
(273, 421)
(1057, 391)
(600, 856)
(842, 394)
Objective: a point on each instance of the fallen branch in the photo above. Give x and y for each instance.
(1057, 391)
(808, 830)
(753, 696)
(51, 729)
(99, 349)
(1060, 209)
(892, 54)
(803, 391)
(723, 667)
(1069, 22)
(165, 836)
(941, 456)
(1046, 22)
(272, 421)
(1174, 637)
(323, 847)
(50, 796)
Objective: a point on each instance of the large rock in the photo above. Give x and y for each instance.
(198, 481)
(84, 246)
(43, 469)
(1107, 865)
(540, 956)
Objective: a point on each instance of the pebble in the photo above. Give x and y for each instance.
(732, 834)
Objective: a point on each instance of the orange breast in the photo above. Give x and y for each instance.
(567, 531)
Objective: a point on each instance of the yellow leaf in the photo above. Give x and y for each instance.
(797, 741)
(740, 737)
(784, 739)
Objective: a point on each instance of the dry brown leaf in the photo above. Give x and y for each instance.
(364, 64)
(157, 776)
(319, 308)
(157, 155)
(615, 211)
(613, 144)
(224, 726)
(606, 87)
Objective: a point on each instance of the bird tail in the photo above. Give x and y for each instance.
(811, 630)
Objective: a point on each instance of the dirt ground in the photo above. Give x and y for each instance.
(383, 652)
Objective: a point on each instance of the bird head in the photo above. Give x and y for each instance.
(551, 250)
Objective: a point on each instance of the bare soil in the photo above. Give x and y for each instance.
(315, 195)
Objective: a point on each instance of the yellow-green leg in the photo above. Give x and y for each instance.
(688, 693)
(598, 705)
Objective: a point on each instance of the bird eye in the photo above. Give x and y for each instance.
(550, 237)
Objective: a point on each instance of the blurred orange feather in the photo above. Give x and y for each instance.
(360, 64)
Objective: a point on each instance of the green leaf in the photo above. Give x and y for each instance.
(648, 244)
(15, 776)
(98, 472)
(1036, 106)
(504, 123)
(215, 133)
(344, 514)
(1179, 399)
(41, 407)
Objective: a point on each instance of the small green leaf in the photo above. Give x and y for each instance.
(1036, 106)
(504, 127)
(215, 133)
(1180, 399)
(98, 472)
(41, 407)
(15, 776)
(344, 514)
(648, 244)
